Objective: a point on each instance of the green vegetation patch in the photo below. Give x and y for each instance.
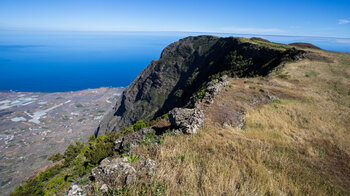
(79, 105)
(271, 45)
(56, 157)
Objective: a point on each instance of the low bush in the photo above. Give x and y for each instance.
(98, 149)
(138, 126)
(56, 157)
(71, 152)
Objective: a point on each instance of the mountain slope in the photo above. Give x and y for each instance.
(184, 68)
(294, 144)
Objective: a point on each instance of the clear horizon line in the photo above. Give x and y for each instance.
(163, 31)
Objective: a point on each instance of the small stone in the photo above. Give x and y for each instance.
(104, 162)
(149, 164)
(75, 190)
(117, 144)
(104, 188)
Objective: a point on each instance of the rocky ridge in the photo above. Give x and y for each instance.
(184, 69)
(190, 120)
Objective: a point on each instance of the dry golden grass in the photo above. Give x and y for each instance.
(297, 145)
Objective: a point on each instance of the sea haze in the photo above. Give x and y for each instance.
(65, 61)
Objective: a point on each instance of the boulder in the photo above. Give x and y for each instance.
(114, 173)
(188, 120)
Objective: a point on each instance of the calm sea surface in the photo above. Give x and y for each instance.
(65, 61)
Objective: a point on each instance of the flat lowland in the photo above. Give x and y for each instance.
(34, 126)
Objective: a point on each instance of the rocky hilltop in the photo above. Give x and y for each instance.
(179, 77)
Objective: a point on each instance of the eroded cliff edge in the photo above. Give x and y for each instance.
(179, 76)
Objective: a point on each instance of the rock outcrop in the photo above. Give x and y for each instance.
(188, 120)
(115, 173)
(185, 67)
(213, 89)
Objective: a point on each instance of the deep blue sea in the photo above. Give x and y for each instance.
(65, 61)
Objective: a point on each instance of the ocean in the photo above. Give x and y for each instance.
(49, 61)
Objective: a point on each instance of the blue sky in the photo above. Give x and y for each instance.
(330, 18)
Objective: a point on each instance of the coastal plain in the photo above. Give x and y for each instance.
(34, 126)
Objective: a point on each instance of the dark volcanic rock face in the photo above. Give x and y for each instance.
(184, 67)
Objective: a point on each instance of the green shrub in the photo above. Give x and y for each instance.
(31, 187)
(49, 173)
(201, 93)
(139, 125)
(71, 152)
(179, 93)
(283, 76)
(36, 185)
(65, 118)
(78, 166)
(252, 87)
(98, 149)
(131, 158)
(155, 121)
(149, 138)
(57, 183)
(56, 157)
(79, 105)
(165, 116)
(277, 100)
(83, 180)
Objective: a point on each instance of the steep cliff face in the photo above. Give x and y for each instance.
(182, 70)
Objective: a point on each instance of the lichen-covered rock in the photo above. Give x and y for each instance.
(213, 89)
(114, 173)
(75, 190)
(188, 120)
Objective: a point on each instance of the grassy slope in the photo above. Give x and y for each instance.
(298, 144)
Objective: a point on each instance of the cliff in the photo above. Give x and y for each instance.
(183, 70)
